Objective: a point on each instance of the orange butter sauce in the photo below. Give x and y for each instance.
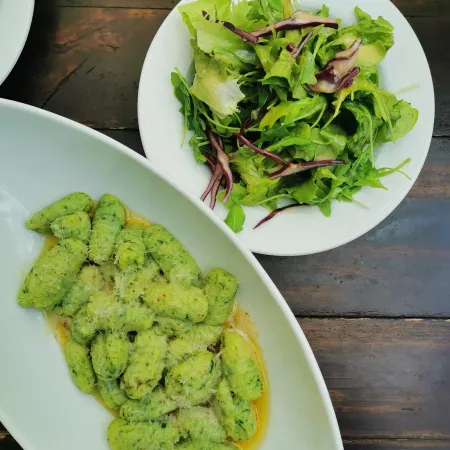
(239, 320)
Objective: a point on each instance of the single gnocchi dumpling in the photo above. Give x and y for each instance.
(53, 275)
(193, 381)
(146, 364)
(152, 406)
(171, 327)
(241, 366)
(80, 366)
(199, 338)
(177, 302)
(89, 281)
(176, 262)
(220, 288)
(130, 248)
(111, 393)
(72, 226)
(109, 353)
(156, 435)
(237, 416)
(109, 219)
(108, 313)
(82, 327)
(200, 423)
(41, 220)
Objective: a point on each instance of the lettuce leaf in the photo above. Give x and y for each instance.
(294, 111)
(214, 87)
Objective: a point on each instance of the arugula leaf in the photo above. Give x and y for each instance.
(399, 116)
(335, 137)
(263, 10)
(305, 192)
(282, 68)
(235, 218)
(212, 86)
(307, 67)
(367, 125)
(183, 95)
(401, 119)
(325, 207)
(294, 111)
(195, 142)
(250, 169)
(324, 11)
(300, 135)
(237, 194)
(264, 53)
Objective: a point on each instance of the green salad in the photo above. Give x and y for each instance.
(285, 105)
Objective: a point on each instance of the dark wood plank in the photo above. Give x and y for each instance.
(7, 442)
(85, 63)
(423, 8)
(387, 378)
(411, 8)
(396, 444)
(148, 4)
(433, 35)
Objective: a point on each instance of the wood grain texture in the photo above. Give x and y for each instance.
(396, 444)
(85, 63)
(423, 8)
(412, 8)
(146, 4)
(433, 35)
(387, 378)
(7, 442)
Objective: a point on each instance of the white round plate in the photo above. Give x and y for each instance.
(15, 22)
(299, 231)
(39, 404)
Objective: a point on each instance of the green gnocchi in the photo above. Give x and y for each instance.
(144, 329)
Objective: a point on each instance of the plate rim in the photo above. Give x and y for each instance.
(21, 40)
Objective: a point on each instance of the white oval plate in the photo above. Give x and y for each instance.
(15, 22)
(299, 231)
(39, 404)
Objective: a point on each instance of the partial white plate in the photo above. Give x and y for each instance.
(299, 231)
(39, 404)
(15, 22)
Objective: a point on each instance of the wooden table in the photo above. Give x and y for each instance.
(375, 311)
